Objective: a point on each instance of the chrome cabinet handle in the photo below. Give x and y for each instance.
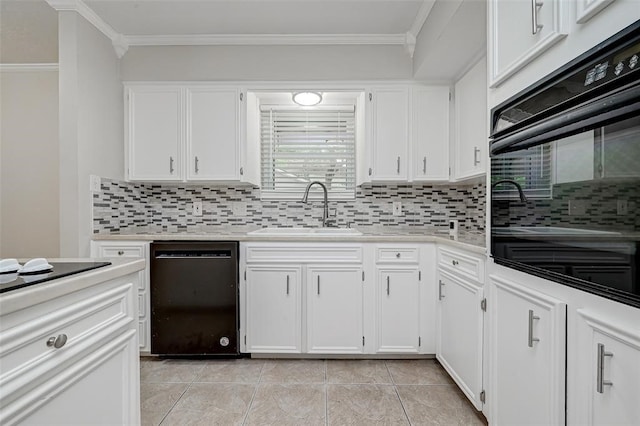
(318, 285)
(440, 295)
(388, 279)
(531, 338)
(476, 151)
(398, 255)
(120, 252)
(241, 171)
(287, 284)
(600, 381)
(398, 165)
(57, 342)
(535, 7)
(171, 165)
(424, 165)
(197, 168)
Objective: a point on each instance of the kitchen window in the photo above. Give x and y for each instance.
(302, 145)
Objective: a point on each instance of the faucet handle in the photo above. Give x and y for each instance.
(331, 222)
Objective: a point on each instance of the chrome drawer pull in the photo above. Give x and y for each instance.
(57, 342)
(120, 252)
(531, 338)
(600, 381)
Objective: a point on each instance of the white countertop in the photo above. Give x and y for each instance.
(472, 241)
(28, 296)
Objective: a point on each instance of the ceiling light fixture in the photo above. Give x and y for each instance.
(307, 98)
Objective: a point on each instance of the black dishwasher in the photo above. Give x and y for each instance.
(194, 298)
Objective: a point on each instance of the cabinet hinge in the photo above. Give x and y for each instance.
(483, 304)
(362, 340)
(370, 96)
(482, 397)
(362, 275)
(241, 96)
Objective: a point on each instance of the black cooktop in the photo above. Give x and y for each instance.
(15, 281)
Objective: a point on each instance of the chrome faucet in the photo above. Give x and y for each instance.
(325, 212)
(523, 198)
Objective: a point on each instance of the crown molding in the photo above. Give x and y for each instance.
(28, 67)
(412, 35)
(120, 44)
(264, 39)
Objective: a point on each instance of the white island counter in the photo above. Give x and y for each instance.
(69, 348)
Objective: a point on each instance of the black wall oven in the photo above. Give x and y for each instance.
(565, 173)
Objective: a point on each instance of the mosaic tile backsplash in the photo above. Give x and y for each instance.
(132, 207)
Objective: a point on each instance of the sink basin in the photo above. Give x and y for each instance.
(312, 232)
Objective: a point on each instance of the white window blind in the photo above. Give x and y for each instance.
(299, 146)
(531, 168)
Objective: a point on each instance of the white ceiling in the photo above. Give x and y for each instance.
(281, 17)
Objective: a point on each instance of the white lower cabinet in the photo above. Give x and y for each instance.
(398, 325)
(120, 249)
(328, 298)
(72, 359)
(460, 333)
(607, 371)
(527, 355)
(274, 309)
(334, 303)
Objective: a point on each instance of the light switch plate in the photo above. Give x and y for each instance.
(397, 208)
(95, 183)
(197, 208)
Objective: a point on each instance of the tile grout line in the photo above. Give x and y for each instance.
(181, 395)
(255, 391)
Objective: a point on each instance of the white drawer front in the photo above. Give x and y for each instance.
(25, 344)
(397, 255)
(304, 254)
(462, 263)
(121, 251)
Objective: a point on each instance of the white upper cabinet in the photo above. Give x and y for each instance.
(520, 31)
(430, 133)
(154, 133)
(389, 133)
(471, 123)
(184, 133)
(213, 150)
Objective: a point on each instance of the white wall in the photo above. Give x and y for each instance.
(29, 164)
(266, 63)
(91, 125)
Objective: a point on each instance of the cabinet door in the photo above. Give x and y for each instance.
(155, 133)
(120, 249)
(471, 123)
(71, 398)
(334, 317)
(398, 319)
(390, 134)
(527, 351)
(607, 373)
(274, 320)
(520, 31)
(430, 137)
(212, 134)
(459, 333)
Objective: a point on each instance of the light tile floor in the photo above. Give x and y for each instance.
(301, 392)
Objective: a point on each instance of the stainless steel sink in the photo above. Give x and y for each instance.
(312, 232)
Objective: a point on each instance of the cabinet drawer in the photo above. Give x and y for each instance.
(397, 255)
(121, 251)
(464, 264)
(304, 253)
(24, 345)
